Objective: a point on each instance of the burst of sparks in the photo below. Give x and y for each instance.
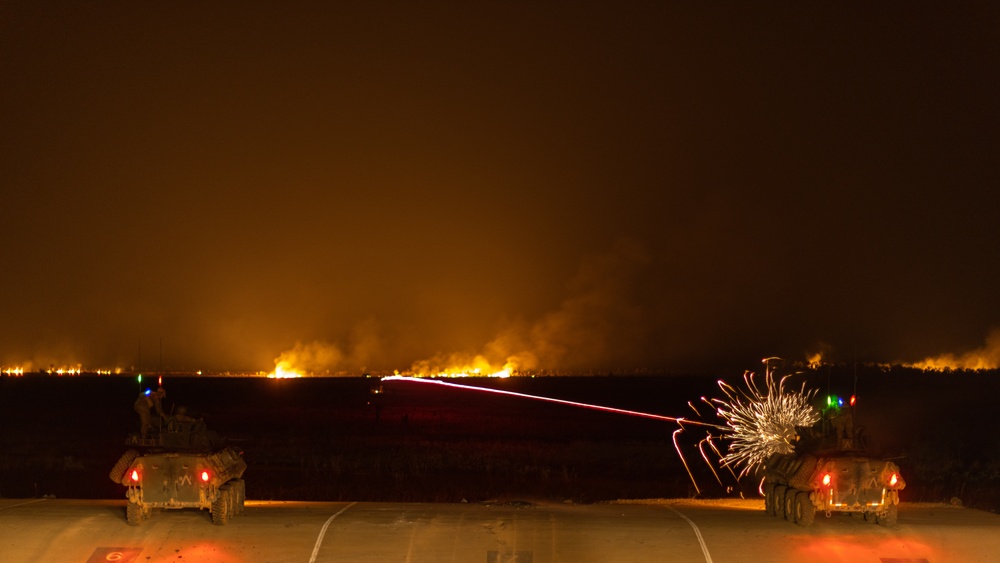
(762, 421)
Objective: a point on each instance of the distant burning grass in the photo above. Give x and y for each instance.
(986, 357)
(459, 366)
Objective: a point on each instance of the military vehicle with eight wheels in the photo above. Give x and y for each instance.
(181, 466)
(829, 472)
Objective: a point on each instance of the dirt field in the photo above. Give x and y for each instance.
(333, 439)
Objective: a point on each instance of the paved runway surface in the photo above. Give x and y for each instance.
(87, 531)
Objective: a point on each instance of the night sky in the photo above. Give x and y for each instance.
(582, 186)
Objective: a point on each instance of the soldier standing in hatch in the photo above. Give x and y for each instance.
(843, 425)
(144, 406)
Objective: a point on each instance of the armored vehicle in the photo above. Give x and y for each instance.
(181, 465)
(828, 476)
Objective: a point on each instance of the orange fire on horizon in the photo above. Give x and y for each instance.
(20, 370)
(320, 358)
(282, 370)
(814, 361)
(287, 369)
(455, 366)
(986, 357)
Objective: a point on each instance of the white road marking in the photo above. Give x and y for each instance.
(22, 503)
(697, 532)
(319, 540)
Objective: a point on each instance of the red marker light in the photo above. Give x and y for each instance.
(205, 476)
(893, 480)
(854, 399)
(134, 475)
(826, 479)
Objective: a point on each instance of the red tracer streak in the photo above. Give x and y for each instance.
(681, 421)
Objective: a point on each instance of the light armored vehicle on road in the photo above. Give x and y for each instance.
(181, 466)
(827, 474)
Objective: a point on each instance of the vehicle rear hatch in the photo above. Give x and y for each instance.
(857, 481)
(172, 479)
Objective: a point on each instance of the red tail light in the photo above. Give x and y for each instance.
(205, 476)
(893, 479)
(827, 479)
(134, 475)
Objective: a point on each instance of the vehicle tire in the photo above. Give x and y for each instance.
(805, 512)
(769, 498)
(240, 495)
(229, 492)
(118, 471)
(234, 500)
(134, 514)
(890, 517)
(779, 500)
(790, 495)
(221, 508)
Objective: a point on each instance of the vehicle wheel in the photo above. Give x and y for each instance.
(134, 514)
(769, 499)
(778, 502)
(118, 471)
(790, 504)
(220, 508)
(229, 492)
(240, 491)
(234, 500)
(890, 517)
(805, 512)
